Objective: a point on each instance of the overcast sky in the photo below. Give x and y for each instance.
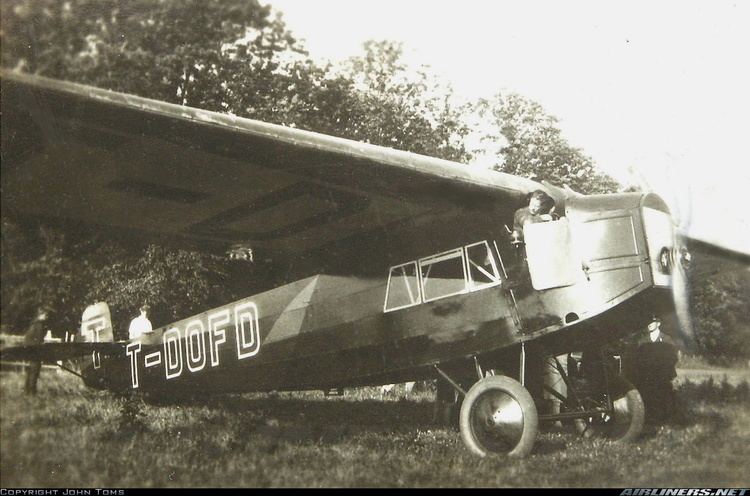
(658, 86)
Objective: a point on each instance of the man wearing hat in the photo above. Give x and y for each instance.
(35, 335)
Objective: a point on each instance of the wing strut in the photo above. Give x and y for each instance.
(67, 369)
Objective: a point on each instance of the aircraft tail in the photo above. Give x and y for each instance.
(96, 327)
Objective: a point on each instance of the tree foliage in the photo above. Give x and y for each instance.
(720, 305)
(535, 147)
(399, 108)
(67, 271)
(171, 50)
(174, 283)
(36, 271)
(232, 56)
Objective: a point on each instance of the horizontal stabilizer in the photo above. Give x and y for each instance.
(52, 352)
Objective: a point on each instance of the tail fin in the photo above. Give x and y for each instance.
(96, 327)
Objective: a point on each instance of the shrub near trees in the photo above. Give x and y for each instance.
(720, 305)
(68, 271)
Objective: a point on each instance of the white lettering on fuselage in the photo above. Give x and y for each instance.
(216, 332)
(172, 353)
(203, 338)
(152, 359)
(133, 350)
(246, 330)
(92, 329)
(196, 355)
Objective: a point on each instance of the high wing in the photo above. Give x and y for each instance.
(52, 352)
(164, 172)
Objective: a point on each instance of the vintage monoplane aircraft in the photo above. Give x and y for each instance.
(391, 266)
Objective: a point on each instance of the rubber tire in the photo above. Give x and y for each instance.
(528, 409)
(626, 397)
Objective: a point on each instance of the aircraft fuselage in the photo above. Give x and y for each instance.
(328, 331)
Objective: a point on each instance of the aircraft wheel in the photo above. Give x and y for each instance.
(498, 416)
(626, 422)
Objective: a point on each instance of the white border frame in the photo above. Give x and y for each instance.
(473, 286)
(437, 258)
(388, 287)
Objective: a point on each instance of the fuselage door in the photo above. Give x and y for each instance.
(551, 254)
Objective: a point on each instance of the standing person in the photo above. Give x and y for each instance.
(35, 335)
(140, 325)
(651, 365)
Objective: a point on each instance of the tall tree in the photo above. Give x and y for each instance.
(373, 97)
(171, 50)
(401, 107)
(536, 148)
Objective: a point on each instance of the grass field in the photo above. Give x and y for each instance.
(72, 436)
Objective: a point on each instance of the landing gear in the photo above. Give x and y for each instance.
(601, 402)
(624, 423)
(498, 416)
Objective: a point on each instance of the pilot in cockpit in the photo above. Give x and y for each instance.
(541, 208)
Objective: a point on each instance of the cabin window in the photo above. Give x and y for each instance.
(443, 275)
(482, 270)
(403, 287)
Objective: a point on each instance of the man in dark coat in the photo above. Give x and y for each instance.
(651, 365)
(35, 335)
